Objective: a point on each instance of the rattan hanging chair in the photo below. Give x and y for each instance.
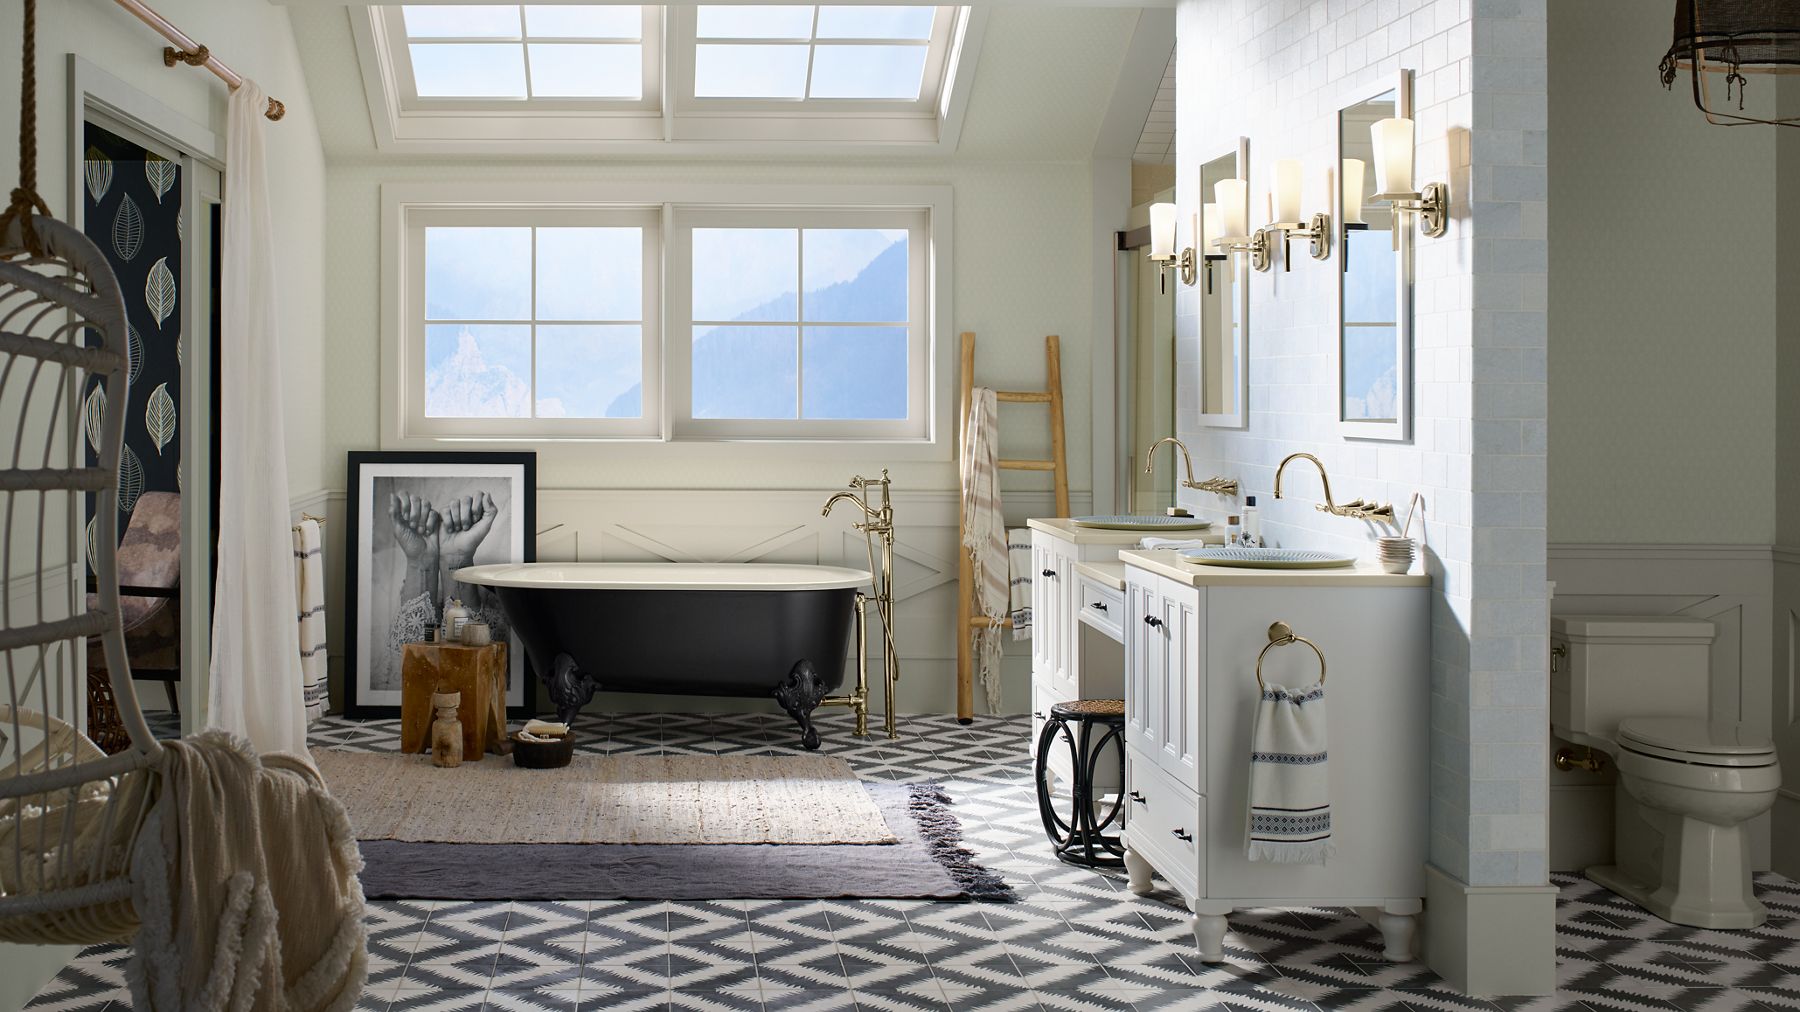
(70, 814)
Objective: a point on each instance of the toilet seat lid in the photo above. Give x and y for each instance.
(1722, 741)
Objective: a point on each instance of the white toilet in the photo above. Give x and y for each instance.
(1638, 688)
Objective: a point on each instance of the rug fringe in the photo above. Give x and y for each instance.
(929, 804)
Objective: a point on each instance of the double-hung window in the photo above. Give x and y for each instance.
(684, 320)
(539, 324)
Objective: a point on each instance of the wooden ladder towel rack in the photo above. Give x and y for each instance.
(967, 619)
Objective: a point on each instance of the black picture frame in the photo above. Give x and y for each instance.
(370, 476)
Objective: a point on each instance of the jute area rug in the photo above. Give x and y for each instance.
(606, 799)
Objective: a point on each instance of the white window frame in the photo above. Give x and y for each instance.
(679, 342)
(404, 123)
(410, 360)
(925, 435)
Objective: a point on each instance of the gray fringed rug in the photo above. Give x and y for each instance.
(927, 862)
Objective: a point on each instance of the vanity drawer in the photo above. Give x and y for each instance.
(1102, 607)
(1165, 823)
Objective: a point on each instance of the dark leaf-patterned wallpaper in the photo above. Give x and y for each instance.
(133, 213)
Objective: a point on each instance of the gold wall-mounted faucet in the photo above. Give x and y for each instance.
(1215, 484)
(1355, 509)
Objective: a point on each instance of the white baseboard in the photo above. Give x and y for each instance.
(1490, 940)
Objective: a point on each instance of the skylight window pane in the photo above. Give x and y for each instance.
(451, 21)
(749, 71)
(478, 273)
(846, 22)
(472, 70)
(590, 274)
(586, 70)
(590, 372)
(856, 275)
(746, 274)
(774, 21)
(477, 371)
(867, 71)
(584, 22)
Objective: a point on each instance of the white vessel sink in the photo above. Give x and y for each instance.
(1264, 558)
(1142, 523)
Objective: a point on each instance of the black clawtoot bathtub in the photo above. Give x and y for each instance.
(697, 629)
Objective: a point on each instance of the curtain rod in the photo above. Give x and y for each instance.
(192, 53)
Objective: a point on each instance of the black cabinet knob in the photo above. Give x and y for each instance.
(1051, 573)
(1140, 799)
(1181, 834)
(1153, 622)
(1098, 605)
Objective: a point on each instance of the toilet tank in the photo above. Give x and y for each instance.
(1615, 666)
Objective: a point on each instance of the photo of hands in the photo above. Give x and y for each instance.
(421, 517)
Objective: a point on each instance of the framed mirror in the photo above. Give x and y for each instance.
(1224, 303)
(1374, 346)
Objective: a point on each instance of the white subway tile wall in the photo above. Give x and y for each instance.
(1277, 71)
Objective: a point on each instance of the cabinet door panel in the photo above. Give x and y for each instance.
(1183, 734)
(1043, 613)
(1143, 664)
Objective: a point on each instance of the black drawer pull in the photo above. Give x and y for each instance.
(1140, 799)
(1101, 605)
(1050, 573)
(1153, 622)
(1181, 834)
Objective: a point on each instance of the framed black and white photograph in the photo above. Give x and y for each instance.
(414, 520)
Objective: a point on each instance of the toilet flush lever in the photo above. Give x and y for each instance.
(1584, 759)
(1557, 653)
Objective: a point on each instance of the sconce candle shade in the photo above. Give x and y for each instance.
(1209, 226)
(1233, 196)
(1393, 139)
(1287, 189)
(1353, 190)
(1162, 231)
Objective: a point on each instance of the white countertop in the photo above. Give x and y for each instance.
(1066, 529)
(1366, 573)
(1112, 574)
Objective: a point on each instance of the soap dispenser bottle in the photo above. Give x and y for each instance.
(1252, 523)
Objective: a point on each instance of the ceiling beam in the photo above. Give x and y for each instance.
(1140, 76)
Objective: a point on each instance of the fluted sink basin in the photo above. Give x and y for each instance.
(1264, 558)
(1142, 523)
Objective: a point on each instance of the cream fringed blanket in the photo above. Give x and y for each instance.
(984, 536)
(245, 877)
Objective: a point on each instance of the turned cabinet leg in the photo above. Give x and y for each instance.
(1209, 932)
(1137, 871)
(1397, 934)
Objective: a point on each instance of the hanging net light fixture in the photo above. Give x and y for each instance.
(1732, 38)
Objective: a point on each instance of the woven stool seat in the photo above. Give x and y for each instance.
(1089, 709)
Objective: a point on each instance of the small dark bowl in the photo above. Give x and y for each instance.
(543, 755)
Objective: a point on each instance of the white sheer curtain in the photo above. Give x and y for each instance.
(256, 680)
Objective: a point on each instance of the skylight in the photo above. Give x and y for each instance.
(530, 51)
(800, 52)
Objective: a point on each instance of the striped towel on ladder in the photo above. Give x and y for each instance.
(1018, 560)
(984, 535)
(309, 592)
(1290, 780)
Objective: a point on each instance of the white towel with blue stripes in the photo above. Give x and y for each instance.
(1290, 778)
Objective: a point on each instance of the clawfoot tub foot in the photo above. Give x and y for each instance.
(799, 694)
(570, 687)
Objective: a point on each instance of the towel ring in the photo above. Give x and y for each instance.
(1280, 635)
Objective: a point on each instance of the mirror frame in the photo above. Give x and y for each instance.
(1400, 429)
(1239, 416)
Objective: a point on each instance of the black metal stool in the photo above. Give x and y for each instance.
(1082, 838)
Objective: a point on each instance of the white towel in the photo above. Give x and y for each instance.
(1173, 543)
(1290, 782)
(309, 591)
(1018, 559)
(984, 535)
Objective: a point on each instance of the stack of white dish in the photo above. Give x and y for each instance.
(1395, 554)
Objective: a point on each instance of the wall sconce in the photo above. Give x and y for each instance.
(1162, 244)
(1288, 218)
(1393, 140)
(1234, 235)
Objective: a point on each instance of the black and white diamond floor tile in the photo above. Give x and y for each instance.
(1078, 940)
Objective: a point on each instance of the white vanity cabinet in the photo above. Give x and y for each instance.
(1192, 636)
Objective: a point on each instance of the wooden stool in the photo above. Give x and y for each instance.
(1083, 838)
(479, 673)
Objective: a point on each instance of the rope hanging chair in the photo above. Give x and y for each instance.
(69, 813)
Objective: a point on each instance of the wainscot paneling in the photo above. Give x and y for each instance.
(693, 525)
(1732, 586)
